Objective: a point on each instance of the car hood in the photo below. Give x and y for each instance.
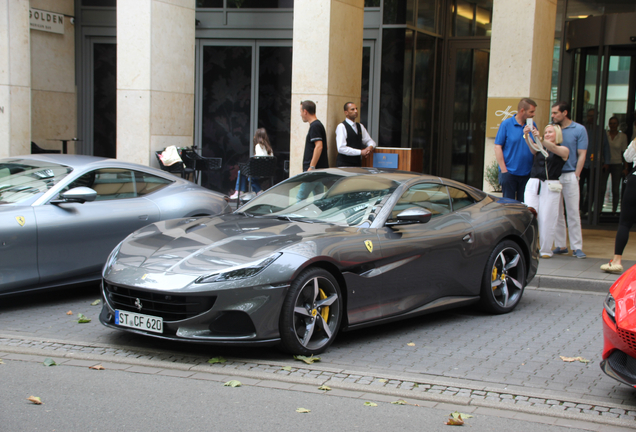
(201, 246)
(624, 293)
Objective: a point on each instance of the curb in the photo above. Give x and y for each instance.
(358, 389)
(571, 283)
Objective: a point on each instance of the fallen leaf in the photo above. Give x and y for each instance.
(324, 387)
(416, 385)
(81, 318)
(49, 362)
(302, 410)
(218, 359)
(69, 313)
(233, 383)
(573, 359)
(410, 344)
(286, 368)
(371, 404)
(455, 422)
(96, 367)
(36, 400)
(1, 362)
(399, 402)
(382, 380)
(457, 414)
(308, 360)
(96, 302)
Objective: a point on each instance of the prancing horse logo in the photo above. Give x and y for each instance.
(138, 304)
(369, 245)
(20, 220)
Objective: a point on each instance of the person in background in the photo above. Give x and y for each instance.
(575, 139)
(614, 166)
(511, 152)
(316, 155)
(352, 139)
(262, 147)
(543, 190)
(627, 216)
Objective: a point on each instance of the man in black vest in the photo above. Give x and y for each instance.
(352, 139)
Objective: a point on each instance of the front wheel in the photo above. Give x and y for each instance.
(504, 278)
(311, 313)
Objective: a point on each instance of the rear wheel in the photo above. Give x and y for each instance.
(504, 278)
(311, 313)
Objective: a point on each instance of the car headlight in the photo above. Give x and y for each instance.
(610, 306)
(112, 258)
(241, 272)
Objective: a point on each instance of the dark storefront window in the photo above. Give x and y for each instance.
(105, 100)
(428, 14)
(423, 95)
(395, 11)
(364, 108)
(100, 3)
(395, 89)
(227, 90)
(471, 18)
(274, 101)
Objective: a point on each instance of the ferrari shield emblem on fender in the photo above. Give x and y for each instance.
(369, 245)
(20, 220)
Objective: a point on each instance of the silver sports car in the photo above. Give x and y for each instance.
(324, 251)
(61, 215)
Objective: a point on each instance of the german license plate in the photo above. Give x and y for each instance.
(139, 321)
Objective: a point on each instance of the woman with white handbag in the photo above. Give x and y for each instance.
(543, 190)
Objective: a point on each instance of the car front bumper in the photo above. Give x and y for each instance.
(619, 359)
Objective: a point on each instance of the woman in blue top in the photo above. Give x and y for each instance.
(543, 190)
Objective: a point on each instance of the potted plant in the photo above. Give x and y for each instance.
(492, 176)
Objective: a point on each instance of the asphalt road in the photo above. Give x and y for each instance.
(463, 351)
(79, 399)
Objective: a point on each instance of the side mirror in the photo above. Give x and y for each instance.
(415, 214)
(76, 195)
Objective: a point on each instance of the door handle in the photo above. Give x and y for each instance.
(142, 217)
(468, 238)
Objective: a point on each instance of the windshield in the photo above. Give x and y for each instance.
(21, 179)
(341, 199)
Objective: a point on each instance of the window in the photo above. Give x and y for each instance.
(118, 183)
(459, 198)
(429, 196)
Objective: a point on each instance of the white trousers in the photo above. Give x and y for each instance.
(571, 199)
(546, 203)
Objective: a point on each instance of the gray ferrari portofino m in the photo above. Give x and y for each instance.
(61, 215)
(324, 251)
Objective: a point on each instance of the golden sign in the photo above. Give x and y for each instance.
(369, 245)
(499, 109)
(20, 220)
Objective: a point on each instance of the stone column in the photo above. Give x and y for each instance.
(15, 78)
(521, 51)
(155, 77)
(327, 67)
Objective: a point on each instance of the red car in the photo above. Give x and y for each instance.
(619, 330)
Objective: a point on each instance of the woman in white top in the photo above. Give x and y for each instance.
(628, 215)
(617, 145)
(262, 147)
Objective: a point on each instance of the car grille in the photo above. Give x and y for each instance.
(168, 306)
(628, 337)
(624, 365)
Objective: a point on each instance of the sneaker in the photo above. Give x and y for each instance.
(546, 256)
(234, 195)
(612, 268)
(579, 254)
(560, 251)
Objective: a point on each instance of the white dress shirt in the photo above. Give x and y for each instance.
(341, 139)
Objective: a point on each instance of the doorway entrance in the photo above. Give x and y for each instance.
(603, 89)
(464, 118)
(242, 86)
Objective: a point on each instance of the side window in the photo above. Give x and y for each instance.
(430, 196)
(459, 198)
(119, 183)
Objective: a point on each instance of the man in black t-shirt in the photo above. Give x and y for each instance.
(316, 155)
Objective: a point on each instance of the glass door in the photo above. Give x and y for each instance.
(242, 86)
(465, 117)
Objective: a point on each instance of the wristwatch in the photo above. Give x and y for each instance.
(312, 167)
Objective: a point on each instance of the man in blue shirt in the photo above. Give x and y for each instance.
(512, 152)
(574, 138)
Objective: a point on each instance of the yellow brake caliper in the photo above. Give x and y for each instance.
(325, 310)
(494, 277)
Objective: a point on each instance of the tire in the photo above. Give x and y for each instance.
(504, 278)
(311, 313)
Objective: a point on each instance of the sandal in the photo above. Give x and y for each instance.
(612, 268)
